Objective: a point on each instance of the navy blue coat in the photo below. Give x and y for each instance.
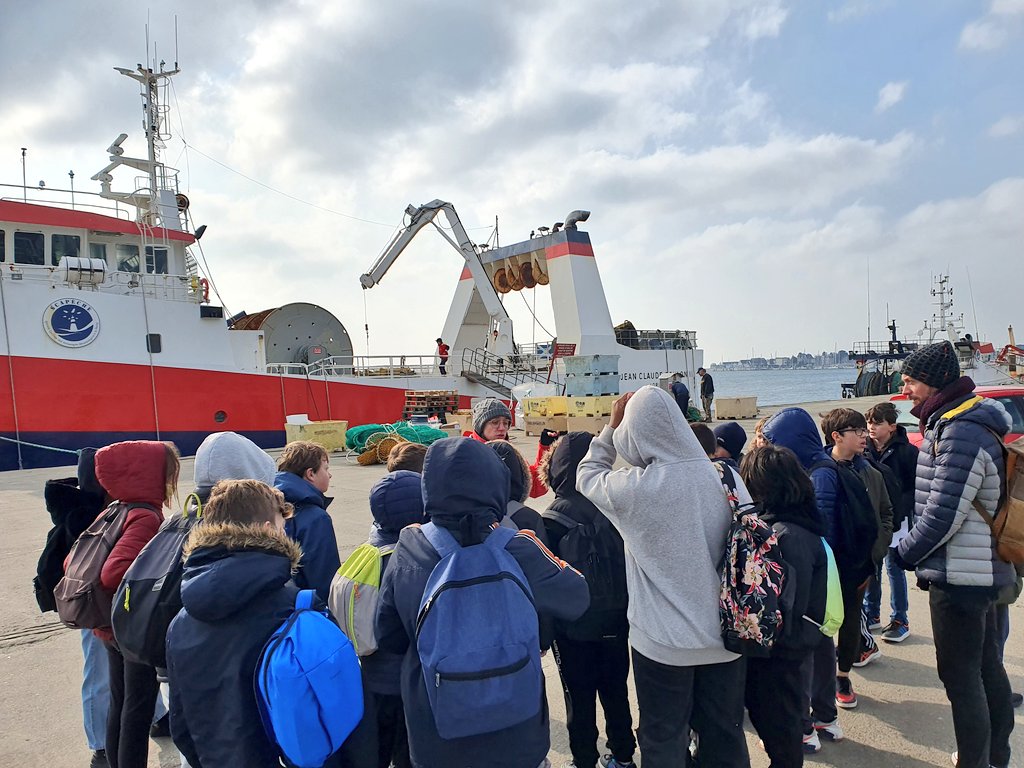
(960, 460)
(236, 591)
(395, 502)
(465, 488)
(901, 457)
(794, 428)
(311, 526)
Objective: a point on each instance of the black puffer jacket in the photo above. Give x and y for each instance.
(901, 457)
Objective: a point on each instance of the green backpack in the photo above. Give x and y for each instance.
(834, 612)
(355, 590)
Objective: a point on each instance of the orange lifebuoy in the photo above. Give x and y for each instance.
(205, 285)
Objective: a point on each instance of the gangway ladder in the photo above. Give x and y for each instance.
(498, 373)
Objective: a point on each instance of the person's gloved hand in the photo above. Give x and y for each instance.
(548, 436)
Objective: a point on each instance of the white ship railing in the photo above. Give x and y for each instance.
(157, 286)
(376, 366)
(91, 202)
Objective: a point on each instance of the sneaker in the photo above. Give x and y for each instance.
(896, 632)
(831, 731)
(845, 697)
(868, 656)
(610, 762)
(99, 759)
(812, 743)
(875, 623)
(161, 729)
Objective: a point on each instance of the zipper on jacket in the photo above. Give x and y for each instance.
(463, 677)
(467, 583)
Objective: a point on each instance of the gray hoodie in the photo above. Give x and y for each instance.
(230, 456)
(673, 516)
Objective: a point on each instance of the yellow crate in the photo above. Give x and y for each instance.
(545, 406)
(329, 434)
(591, 406)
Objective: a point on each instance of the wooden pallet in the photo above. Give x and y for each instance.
(430, 401)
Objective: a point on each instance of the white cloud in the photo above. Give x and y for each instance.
(853, 9)
(1010, 125)
(764, 21)
(889, 95)
(1003, 21)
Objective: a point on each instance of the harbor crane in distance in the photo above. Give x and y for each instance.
(419, 217)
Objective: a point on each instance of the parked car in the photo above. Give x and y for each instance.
(1011, 398)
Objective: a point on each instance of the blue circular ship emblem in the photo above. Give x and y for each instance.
(71, 322)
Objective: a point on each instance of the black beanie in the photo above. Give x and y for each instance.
(935, 365)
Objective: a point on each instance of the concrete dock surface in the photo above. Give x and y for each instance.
(903, 717)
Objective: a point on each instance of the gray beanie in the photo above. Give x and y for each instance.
(486, 410)
(230, 456)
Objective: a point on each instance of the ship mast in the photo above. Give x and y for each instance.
(942, 320)
(157, 201)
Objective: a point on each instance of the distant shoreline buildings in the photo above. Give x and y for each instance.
(801, 360)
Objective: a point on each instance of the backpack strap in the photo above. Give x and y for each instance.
(440, 539)
(199, 506)
(561, 518)
(499, 537)
(304, 599)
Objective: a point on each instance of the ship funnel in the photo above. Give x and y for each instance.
(575, 217)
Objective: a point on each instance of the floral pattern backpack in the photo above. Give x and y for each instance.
(751, 602)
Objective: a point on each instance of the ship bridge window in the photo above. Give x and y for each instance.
(127, 257)
(98, 251)
(3, 246)
(29, 248)
(64, 245)
(156, 260)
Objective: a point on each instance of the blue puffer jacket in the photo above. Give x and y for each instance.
(794, 428)
(236, 591)
(960, 460)
(465, 488)
(395, 502)
(311, 526)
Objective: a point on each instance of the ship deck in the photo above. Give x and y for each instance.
(903, 718)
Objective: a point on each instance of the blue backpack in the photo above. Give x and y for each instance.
(308, 687)
(477, 637)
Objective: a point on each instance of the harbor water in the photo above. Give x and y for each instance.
(784, 386)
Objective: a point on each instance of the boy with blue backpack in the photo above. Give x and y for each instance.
(460, 600)
(236, 591)
(396, 500)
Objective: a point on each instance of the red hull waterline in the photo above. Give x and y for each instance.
(67, 405)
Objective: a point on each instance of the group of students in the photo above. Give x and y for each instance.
(623, 567)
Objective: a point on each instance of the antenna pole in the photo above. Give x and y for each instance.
(868, 260)
(24, 182)
(71, 175)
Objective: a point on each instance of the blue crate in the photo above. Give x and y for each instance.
(586, 365)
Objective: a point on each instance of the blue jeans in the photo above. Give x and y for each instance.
(95, 690)
(898, 601)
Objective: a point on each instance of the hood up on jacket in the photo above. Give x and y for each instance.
(397, 501)
(558, 466)
(520, 479)
(297, 490)
(794, 428)
(134, 471)
(230, 456)
(653, 430)
(229, 564)
(465, 488)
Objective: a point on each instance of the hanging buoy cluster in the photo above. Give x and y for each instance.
(516, 272)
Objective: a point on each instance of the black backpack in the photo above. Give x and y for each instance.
(594, 548)
(858, 523)
(150, 593)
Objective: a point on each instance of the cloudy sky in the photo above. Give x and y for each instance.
(748, 163)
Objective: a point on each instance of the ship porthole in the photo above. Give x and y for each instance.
(220, 417)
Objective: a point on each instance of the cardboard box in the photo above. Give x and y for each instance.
(735, 407)
(534, 425)
(591, 424)
(461, 420)
(329, 434)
